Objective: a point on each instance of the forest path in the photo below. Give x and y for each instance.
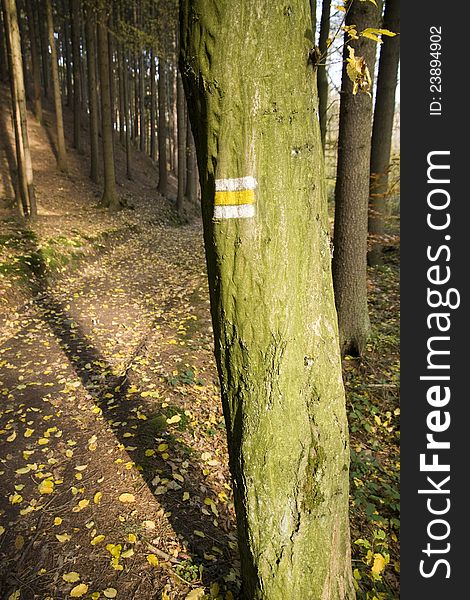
(108, 387)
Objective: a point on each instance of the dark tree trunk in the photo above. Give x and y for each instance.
(153, 106)
(77, 101)
(142, 126)
(136, 99)
(383, 129)
(44, 44)
(3, 51)
(162, 129)
(61, 153)
(322, 77)
(352, 191)
(35, 62)
(68, 53)
(181, 125)
(191, 167)
(24, 50)
(90, 32)
(110, 198)
(27, 198)
(127, 119)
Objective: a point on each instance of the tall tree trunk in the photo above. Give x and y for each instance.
(24, 50)
(313, 16)
(61, 152)
(77, 101)
(142, 126)
(35, 62)
(127, 119)
(267, 248)
(90, 31)
(162, 129)
(44, 45)
(111, 74)
(68, 54)
(181, 126)
(322, 77)
(120, 68)
(136, 99)
(191, 167)
(3, 50)
(25, 167)
(110, 198)
(173, 137)
(153, 106)
(352, 191)
(383, 129)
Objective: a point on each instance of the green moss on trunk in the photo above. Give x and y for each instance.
(253, 107)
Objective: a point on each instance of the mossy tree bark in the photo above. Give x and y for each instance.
(61, 152)
(249, 85)
(383, 129)
(110, 197)
(352, 191)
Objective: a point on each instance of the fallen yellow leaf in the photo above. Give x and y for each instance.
(127, 498)
(79, 590)
(71, 577)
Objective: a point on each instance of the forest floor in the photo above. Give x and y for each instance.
(113, 456)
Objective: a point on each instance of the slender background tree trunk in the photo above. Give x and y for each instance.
(90, 31)
(162, 129)
(61, 152)
(382, 130)
(110, 198)
(352, 191)
(322, 76)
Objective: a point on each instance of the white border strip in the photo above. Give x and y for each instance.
(242, 211)
(235, 185)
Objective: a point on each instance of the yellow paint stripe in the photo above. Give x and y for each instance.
(234, 198)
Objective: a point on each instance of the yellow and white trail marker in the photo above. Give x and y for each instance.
(235, 198)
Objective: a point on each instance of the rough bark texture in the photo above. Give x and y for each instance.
(90, 30)
(127, 117)
(77, 101)
(27, 196)
(162, 129)
(322, 78)
(191, 166)
(383, 129)
(42, 26)
(153, 106)
(67, 55)
(249, 84)
(3, 51)
(110, 198)
(142, 124)
(35, 62)
(352, 192)
(61, 152)
(181, 146)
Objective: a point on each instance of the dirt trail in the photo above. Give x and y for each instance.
(109, 388)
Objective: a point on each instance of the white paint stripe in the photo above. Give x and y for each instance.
(235, 185)
(242, 211)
